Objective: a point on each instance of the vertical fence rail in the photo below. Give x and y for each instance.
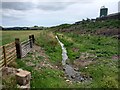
(4, 52)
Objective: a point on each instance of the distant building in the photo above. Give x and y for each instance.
(103, 11)
(110, 16)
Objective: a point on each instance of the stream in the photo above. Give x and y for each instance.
(69, 70)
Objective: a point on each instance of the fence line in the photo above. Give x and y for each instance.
(17, 49)
(26, 47)
(7, 54)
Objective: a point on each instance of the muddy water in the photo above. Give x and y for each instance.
(69, 70)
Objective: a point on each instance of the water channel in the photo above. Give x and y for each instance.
(69, 70)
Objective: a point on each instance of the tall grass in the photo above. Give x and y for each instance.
(48, 41)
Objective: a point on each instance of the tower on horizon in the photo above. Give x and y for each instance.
(103, 11)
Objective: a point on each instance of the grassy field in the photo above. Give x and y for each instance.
(9, 36)
(101, 51)
(101, 48)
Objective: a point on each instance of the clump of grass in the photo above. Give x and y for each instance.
(9, 82)
(110, 82)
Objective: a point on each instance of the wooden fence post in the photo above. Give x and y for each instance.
(4, 52)
(30, 40)
(33, 39)
(18, 48)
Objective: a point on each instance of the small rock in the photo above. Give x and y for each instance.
(67, 80)
(56, 66)
(79, 82)
(82, 79)
(65, 77)
(72, 77)
(76, 69)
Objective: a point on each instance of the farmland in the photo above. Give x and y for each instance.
(9, 36)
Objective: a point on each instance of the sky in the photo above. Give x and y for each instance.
(51, 12)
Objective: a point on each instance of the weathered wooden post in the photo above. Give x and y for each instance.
(30, 40)
(18, 48)
(33, 39)
(4, 52)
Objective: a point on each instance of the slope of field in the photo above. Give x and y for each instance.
(107, 27)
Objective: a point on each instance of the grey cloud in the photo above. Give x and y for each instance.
(17, 5)
(13, 14)
(48, 0)
(51, 6)
(54, 6)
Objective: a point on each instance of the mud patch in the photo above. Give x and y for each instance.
(38, 59)
(85, 59)
(75, 49)
(82, 63)
(116, 57)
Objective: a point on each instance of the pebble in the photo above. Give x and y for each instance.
(67, 80)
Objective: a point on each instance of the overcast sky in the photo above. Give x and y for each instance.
(52, 12)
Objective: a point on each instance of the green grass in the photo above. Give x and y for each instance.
(48, 41)
(105, 70)
(9, 36)
(101, 24)
(102, 46)
(45, 77)
(91, 26)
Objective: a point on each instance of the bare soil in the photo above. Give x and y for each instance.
(38, 59)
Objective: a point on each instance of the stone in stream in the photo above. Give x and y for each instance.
(69, 71)
(72, 74)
